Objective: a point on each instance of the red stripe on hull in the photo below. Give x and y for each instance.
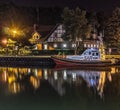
(66, 63)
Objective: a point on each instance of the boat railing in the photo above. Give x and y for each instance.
(60, 56)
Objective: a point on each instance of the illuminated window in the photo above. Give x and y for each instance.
(97, 46)
(91, 45)
(88, 45)
(64, 45)
(45, 74)
(94, 45)
(45, 47)
(73, 45)
(74, 76)
(36, 47)
(55, 45)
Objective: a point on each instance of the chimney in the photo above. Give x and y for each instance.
(35, 27)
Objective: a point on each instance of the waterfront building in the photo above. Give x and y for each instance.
(49, 38)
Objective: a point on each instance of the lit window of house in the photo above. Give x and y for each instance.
(94, 45)
(97, 46)
(35, 48)
(45, 46)
(73, 45)
(91, 45)
(85, 45)
(88, 45)
(55, 45)
(64, 45)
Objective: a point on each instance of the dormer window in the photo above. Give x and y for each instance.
(37, 37)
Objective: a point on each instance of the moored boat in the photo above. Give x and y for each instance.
(90, 57)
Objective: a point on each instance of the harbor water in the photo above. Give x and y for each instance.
(53, 88)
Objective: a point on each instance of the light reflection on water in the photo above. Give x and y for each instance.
(70, 88)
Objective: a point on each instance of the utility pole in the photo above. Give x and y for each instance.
(37, 11)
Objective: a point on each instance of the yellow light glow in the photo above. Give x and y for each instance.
(14, 31)
(4, 41)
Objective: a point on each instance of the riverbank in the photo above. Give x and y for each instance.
(29, 61)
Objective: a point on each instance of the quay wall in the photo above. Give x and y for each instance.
(26, 61)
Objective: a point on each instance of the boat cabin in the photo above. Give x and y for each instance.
(88, 54)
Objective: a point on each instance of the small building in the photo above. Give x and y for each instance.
(93, 41)
(49, 38)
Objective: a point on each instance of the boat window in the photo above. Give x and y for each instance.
(89, 53)
(96, 54)
(93, 54)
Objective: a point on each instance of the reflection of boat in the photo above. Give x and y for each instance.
(60, 67)
(94, 79)
(90, 57)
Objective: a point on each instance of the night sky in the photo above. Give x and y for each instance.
(92, 5)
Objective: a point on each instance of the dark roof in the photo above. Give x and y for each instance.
(46, 30)
(43, 30)
(48, 35)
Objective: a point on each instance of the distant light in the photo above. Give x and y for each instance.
(85, 45)
(88, 45)
(55, 45)
(91, 45)
(64, 45)
(74, 76)
(55, 75)
(94, 45)
(4, 41)
(73, 45)
(45, 46)
(14, 31)
(64, 74)
(97, 46)
(45, 74)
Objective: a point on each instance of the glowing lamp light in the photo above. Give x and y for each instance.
(73, 45)
(64, 45)
(45, 46)
(14, 31)
(55, 45)
(4, 41)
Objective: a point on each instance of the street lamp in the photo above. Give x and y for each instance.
(14, 32)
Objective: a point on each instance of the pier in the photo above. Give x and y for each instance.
(26, 61)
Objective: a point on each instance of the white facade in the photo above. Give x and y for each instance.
(56, 35)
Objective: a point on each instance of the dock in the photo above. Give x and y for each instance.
(26, 61)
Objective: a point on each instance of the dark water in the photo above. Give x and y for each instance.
(59, 89)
